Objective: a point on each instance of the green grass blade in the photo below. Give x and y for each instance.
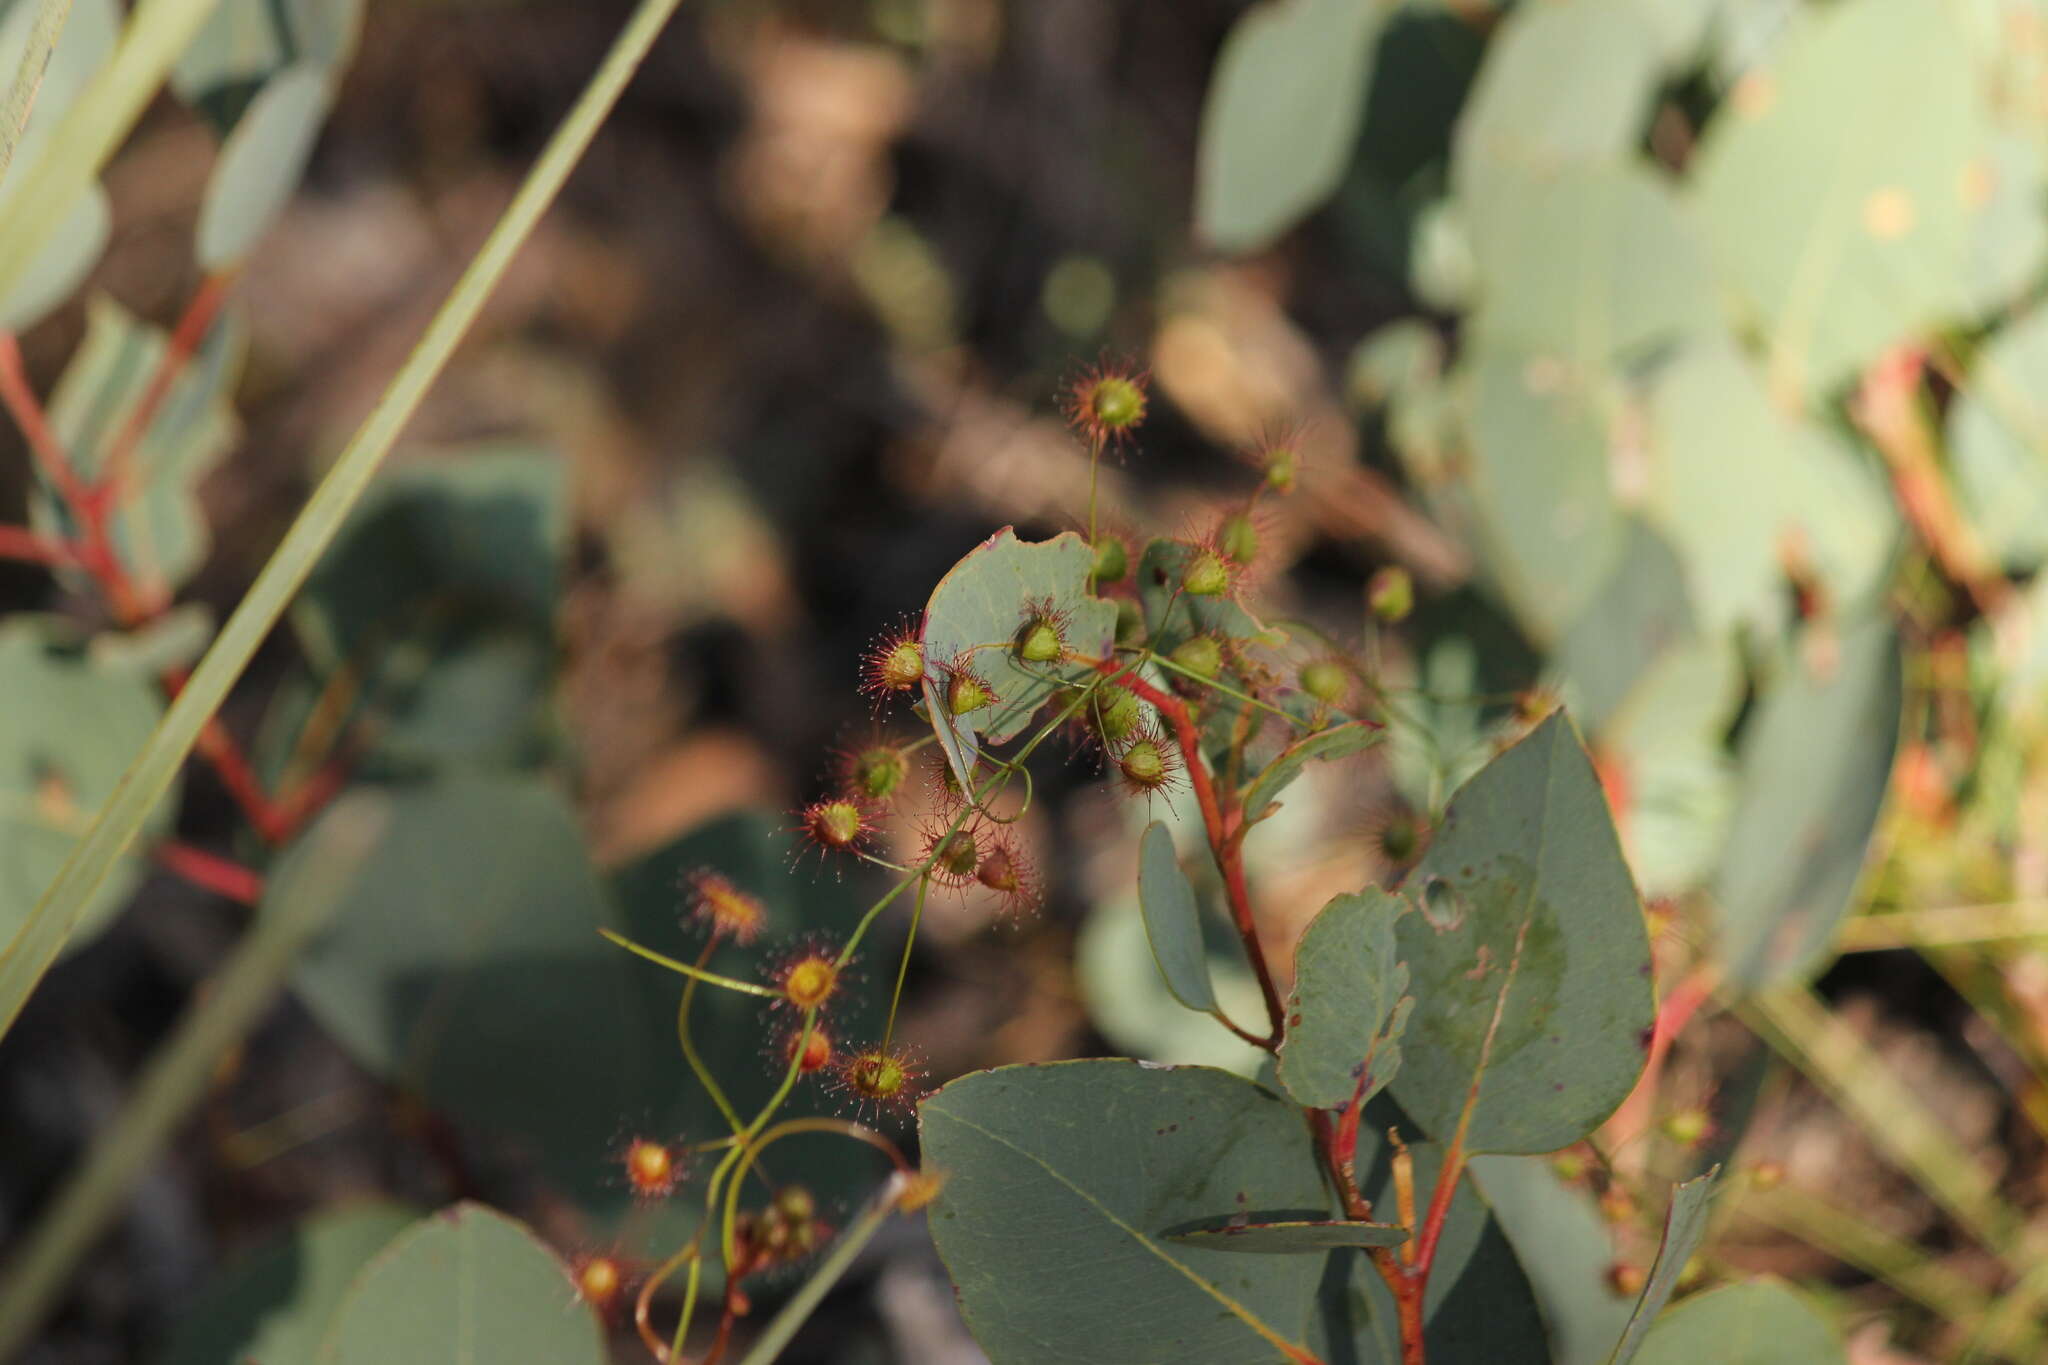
(24, 960)
(28, 77)
(178, 1074)
(1796, 1024)
(93, 127)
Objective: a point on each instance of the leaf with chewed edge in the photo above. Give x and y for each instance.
(974, 617)
(1348, 1007)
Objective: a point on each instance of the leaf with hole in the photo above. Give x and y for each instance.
(464, 1284)
(1530, 965)
(1348, 1005)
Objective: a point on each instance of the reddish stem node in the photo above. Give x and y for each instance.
(223, 876)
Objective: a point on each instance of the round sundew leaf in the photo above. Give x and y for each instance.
(1760, 1323)
(465, 1284)
(1099, 1161)
(1347, 1008)
(1530, 965)
(67, 734)
(1813, 769)
(1173, 921)
(274, 1303)
(974, 617)
(261, 163)
(1860, 137)
(1247, 1234)
(1282, 112)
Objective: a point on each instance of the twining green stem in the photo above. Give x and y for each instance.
(697, 1067)
(806, 1300)
(924, 886)
(159, 30)
(177, 1075)
(731, 983)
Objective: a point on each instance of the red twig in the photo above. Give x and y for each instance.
(1224, 830)
(221, 875)
(220, 749)
(185, 340)
(19, 542)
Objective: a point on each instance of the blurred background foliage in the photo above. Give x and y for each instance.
(1686, 353)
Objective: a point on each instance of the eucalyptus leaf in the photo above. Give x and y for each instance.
(1685, 1224)
(274, 1303)
(1173, 922)
(1281, 115)
(62, 261)
(1567, 1248)
(1347, 1008)
(261, 162)
(1759, 1323)
(1338, 741)
(464, 1284)
(1859, 137)
(1815, 762)
(244, 43)
(1262, 1234)
(1998, 441)
(464, 964)
(1530, 964)
(159, 529)
(1063, 1180)
(66, 734)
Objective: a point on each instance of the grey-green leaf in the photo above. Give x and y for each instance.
(1567, 1248)
(465, 1284)
(1288, 1237)
(463, 963)
(1685, 1223)
(67, 732)
(159, 528)
(1531, 966)
(1998, 441)
(1347, 1008)
(981, 603)
(1281, 115)
(1813, 769)
(261, 162)
(244, 43)
(1338, 741)
(1860, 138)
(274, 1304)
(1173, 923)
(1062, 1182)
(1759, 1323)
